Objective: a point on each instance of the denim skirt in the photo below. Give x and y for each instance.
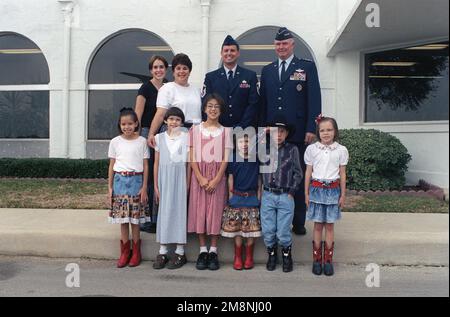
(324, 205)
(126, 206)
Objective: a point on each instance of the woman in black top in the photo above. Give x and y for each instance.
(145, 109)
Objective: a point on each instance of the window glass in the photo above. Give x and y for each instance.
(408, 84)
(21, 61)
(104, 107)
(127, 52)
(24, 114)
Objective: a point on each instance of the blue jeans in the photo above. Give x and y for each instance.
(277, 212)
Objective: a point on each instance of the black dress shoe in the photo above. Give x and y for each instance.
(213, 261)
(202, 261)
(300, 231)
(287, 259)
(272, 260)
(148, 227)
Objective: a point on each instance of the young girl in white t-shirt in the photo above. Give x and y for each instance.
(127, 185)
(325, 187)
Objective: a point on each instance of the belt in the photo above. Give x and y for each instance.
(129, 173)
(277, 191)
(243, 194)
(333, 184)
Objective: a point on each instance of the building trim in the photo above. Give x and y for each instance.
(114, 86)
(24, 87)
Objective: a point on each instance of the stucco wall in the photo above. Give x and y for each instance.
(179, 24)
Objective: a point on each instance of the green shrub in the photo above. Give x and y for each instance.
(53, 168)
(378, 160)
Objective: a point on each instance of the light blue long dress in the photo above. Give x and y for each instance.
(172, 215)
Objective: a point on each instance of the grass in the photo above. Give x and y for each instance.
(78, 194)
(53, 194)
(401, 204)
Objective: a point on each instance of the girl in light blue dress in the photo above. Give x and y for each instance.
(171, 179)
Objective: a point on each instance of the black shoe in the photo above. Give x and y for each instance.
(213, 261)
(148, 227)
(161, 261)
(300, 231)
(177, 261)
(272, 260)
(202, 261)
(287, 259)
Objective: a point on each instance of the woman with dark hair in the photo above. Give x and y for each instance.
(178, 93)
(145, 109)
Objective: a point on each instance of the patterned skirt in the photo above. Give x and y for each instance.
(241, 218)
(324, 205)
(126, 204)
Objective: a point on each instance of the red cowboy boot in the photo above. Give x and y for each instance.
(124, 254)
(248, 265)
(136, 257)
(317, 259)
(328, 260)
(237, 257)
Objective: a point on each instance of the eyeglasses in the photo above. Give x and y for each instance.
(211, 106)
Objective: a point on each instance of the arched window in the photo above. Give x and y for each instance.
(24, 92)
(257, 48)
(117, 70)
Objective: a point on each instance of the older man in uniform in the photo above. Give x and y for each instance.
(237, 87)
(291, 86)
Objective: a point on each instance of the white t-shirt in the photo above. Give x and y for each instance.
(326, 160)
(178, 146)
(186, 98)
(129, 154)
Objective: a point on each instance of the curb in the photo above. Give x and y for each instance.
(361, 238)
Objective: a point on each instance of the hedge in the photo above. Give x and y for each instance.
(378, 160)
(53, 168)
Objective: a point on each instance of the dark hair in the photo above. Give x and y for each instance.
(128, 112)
(216, 97)
(156, 58)
(235, 44)
(181, 59)
(335, 127)
(176, 112)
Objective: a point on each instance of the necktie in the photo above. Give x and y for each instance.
(283, 70)
(230, 75)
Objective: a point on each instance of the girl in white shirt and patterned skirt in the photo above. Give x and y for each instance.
(325, 187)
(127, 184)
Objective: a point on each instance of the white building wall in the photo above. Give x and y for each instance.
(178, 22)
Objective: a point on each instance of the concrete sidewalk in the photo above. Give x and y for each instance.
(361, 238)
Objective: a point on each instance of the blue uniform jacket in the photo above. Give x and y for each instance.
(297, 97)
(240, 96)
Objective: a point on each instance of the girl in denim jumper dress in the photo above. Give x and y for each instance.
(325, 187)
(127, 185)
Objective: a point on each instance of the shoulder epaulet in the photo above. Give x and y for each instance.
(307, 60)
